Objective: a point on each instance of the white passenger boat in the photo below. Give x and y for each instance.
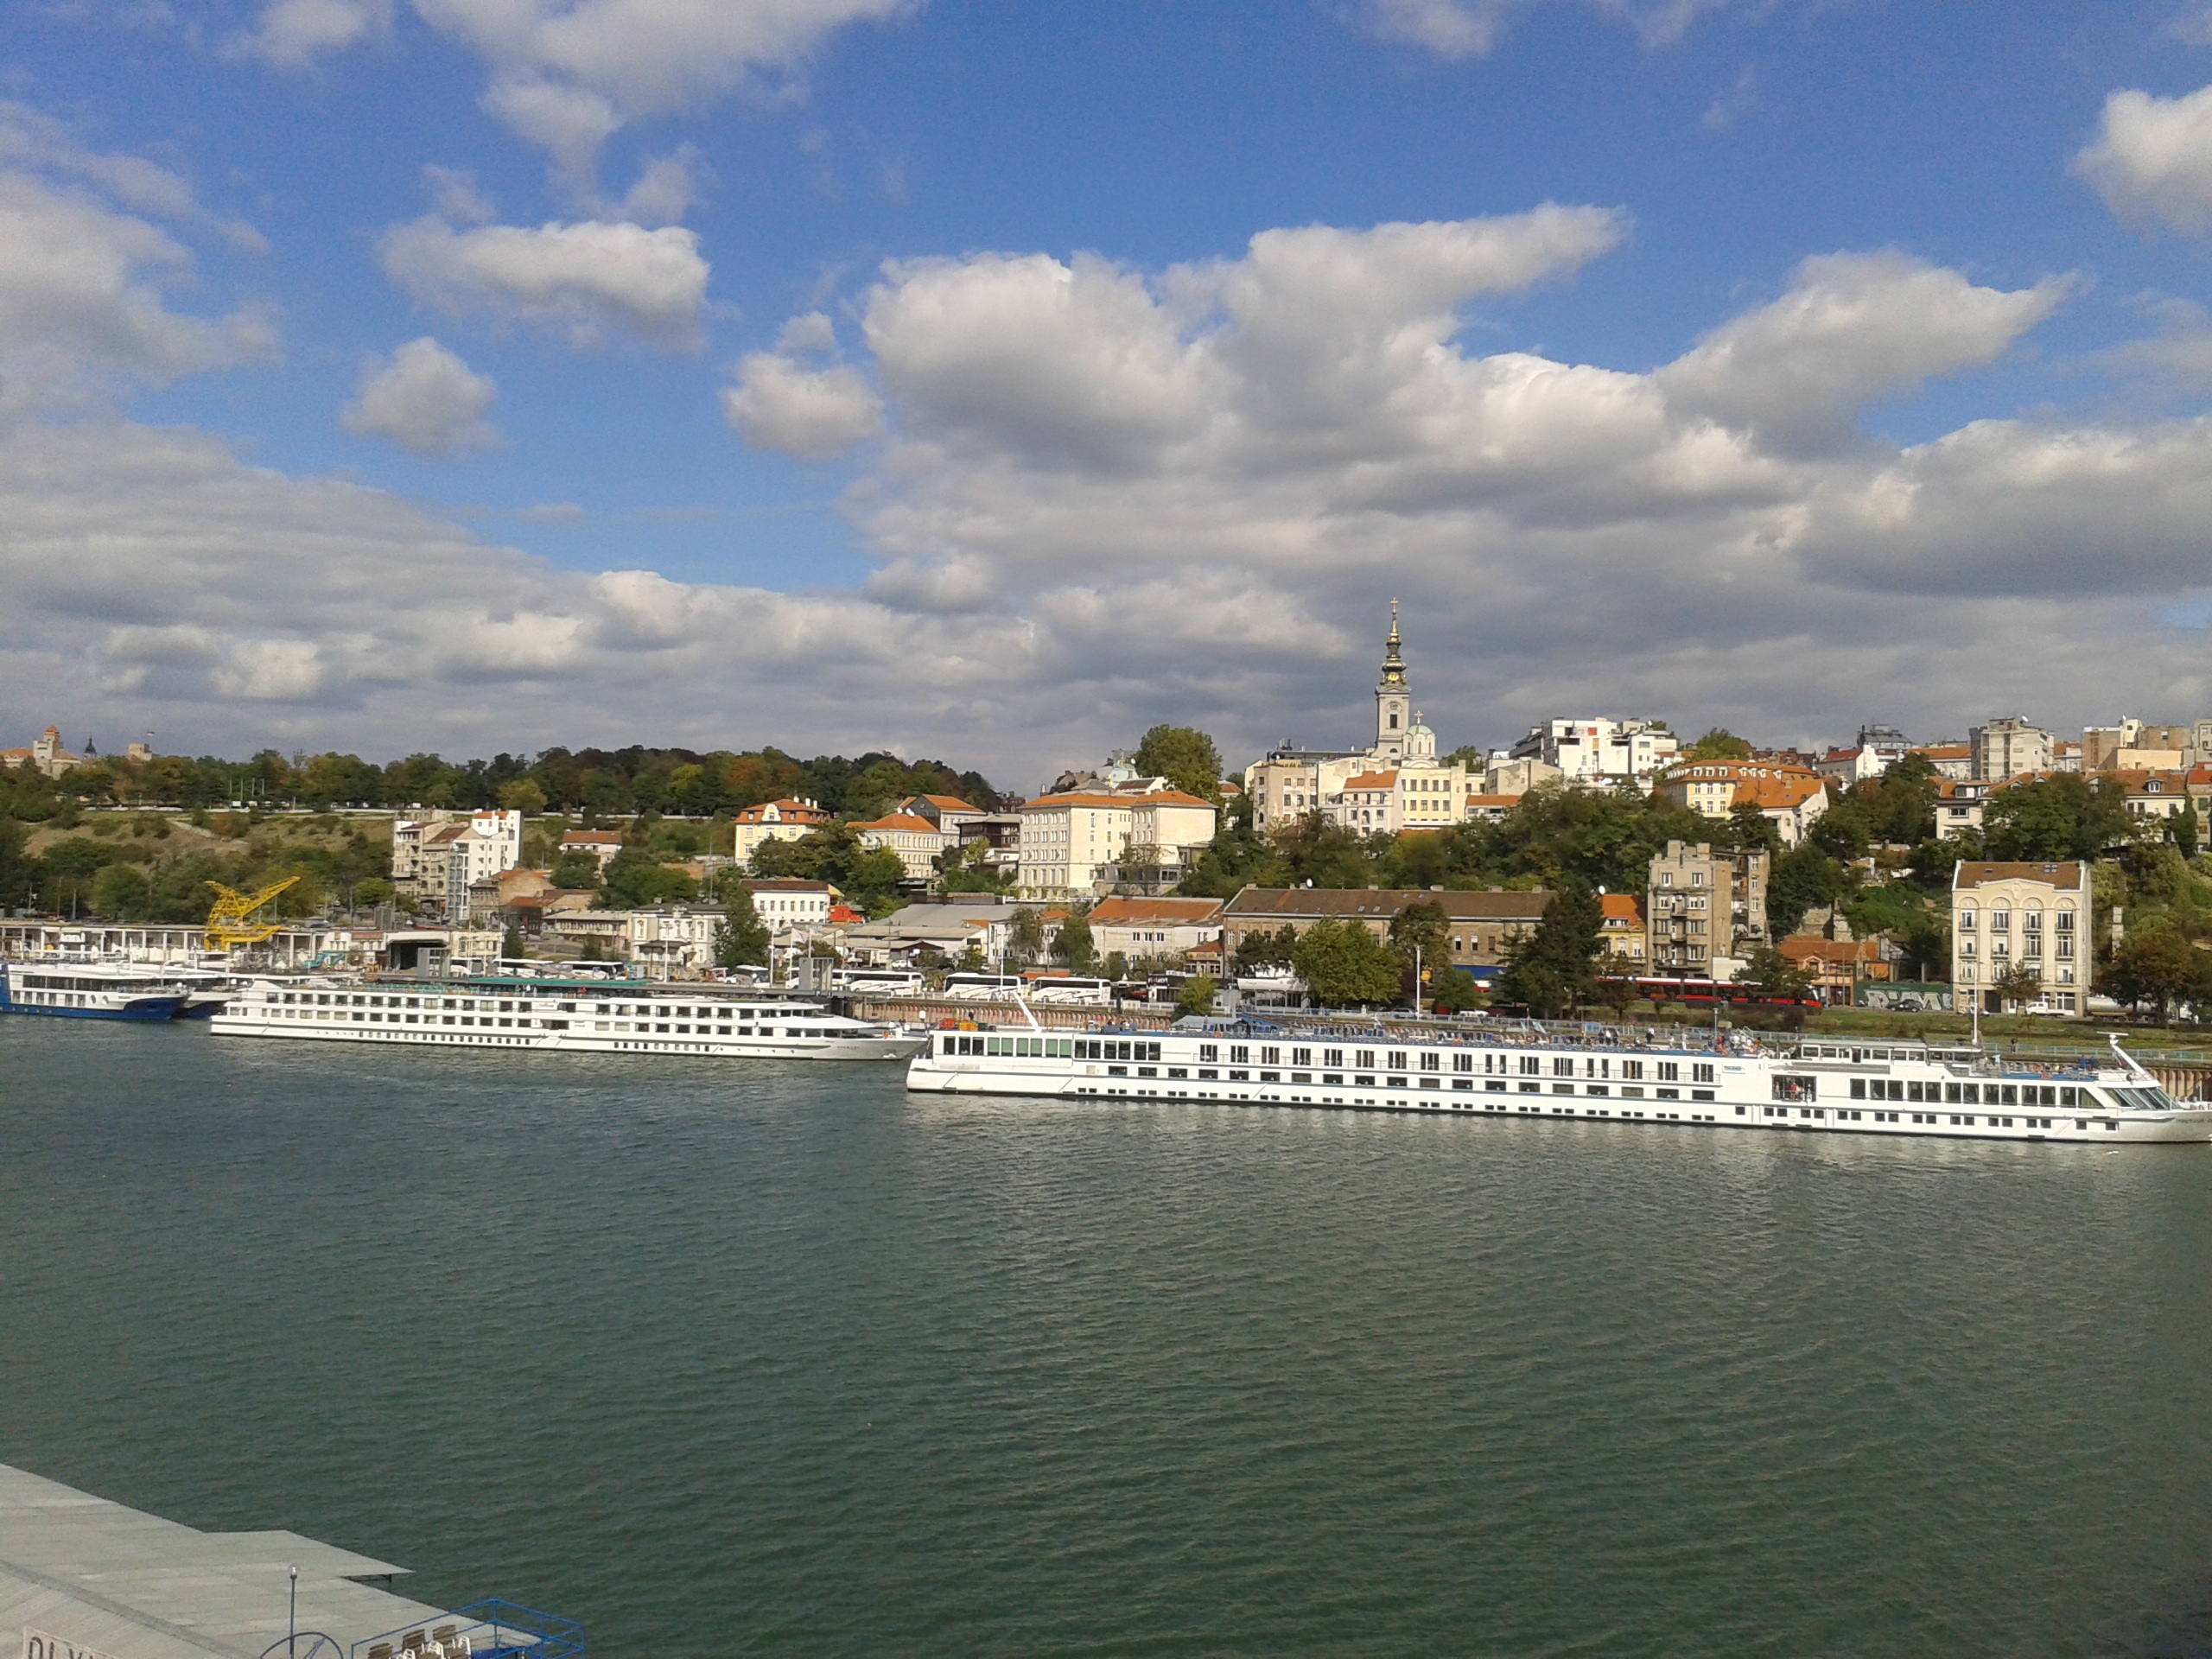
(1902, 1088)
(60, 988)
(596, 1016)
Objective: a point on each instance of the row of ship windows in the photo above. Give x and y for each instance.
(681, 1028)
(1962, 1094)
(507, 1004)
(1369, 1080)
(1241, 1054)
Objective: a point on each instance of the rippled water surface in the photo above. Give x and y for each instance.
(727, 1360)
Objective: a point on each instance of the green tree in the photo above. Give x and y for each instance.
(1719, 744)
(371, 890)
(1074, 946)
(1802, 878)
(1421, 933)
(1195, 996)
(1843, 831)
(1344, 965)
(2065, 816)
(2020, 982)
(1552, 971)
(122, 893)
(17, 872)
(2186, 829)
(1452, 991)
(1260, 949)
(1024, 937)
(512, 946)
(576, 872)
(1900, 804)
(1776, 976)
(872, 881)
(1184, 756)
(524, 797)
(2156, 965)
(740, 937)
(636, 879)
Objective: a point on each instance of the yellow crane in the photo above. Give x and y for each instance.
(228, 926)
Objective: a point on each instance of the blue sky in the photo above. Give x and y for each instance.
(1015, 511)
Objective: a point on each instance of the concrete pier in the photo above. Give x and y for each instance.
(83, 1578)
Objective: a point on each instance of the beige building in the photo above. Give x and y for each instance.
(1621, 929)
(1791, 798)
(1155, 927)
(47, 754)
(1510, 778)
(2008, 747)
(438, 856)
(1704, 910)
(783, 820)
(2007, 916)
(2133, 746)
(1483, 924)
(1959, 806)
(1070, 844)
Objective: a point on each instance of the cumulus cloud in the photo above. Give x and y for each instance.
(1851, 328)
(2151, 159)
(293, 34)
(588, 278)
(814, 413)
(423, 399)
(1106, 496)
(567, 73)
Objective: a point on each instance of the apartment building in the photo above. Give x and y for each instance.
(602, 844)
(2009, 917)
(1704, 910)
(1071, 844)
(1155, 927)
(438, 855)
(2008, 747)
(1593, 752)
(916, 841)
(1960, 803)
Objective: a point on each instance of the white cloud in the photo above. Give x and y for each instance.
(293, 34)
(1851, 328)
(588, 277)
(425, 399)
(780, 404)
(2152, 159)
(1188, 494)
(566, 73)
(82, 308)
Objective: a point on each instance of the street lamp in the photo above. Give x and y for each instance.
(292, 1619)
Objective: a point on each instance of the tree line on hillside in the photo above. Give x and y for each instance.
(608, 783)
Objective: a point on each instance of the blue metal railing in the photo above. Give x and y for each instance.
(491, 1627)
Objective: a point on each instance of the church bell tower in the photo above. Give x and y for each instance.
(1394, 701)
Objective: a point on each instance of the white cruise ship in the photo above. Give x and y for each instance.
(1525, 1075)
(61, 989)
(595, 1016)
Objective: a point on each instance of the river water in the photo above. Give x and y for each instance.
(732, 1359)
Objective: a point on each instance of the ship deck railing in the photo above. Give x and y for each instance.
(482, 1630)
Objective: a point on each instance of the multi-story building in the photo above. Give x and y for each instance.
(1483, 924)
(948, 812)
(785, 902)
(2133, 746)
(1791, 798)
(1504, 776)
(1704, 911)
(2009, 917)
(2008, 747)
(1593, 752)
(783, 820)
(438, 856)
(1879, 748)
(1959, 805)
(1072, 843)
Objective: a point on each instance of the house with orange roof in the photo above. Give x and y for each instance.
(783, 820)
(1620, 927)
(947, 812)
(1959, 805)
(1791, 796)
